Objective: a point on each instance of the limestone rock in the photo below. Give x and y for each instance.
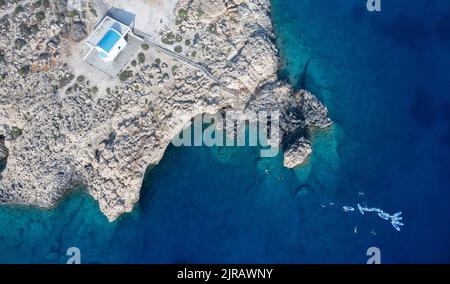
(297, 153)
(314, 112)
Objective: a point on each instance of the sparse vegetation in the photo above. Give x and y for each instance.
(66, 80)
(24, 70)
(19, 9)
(72, 14)
(212, 28)
(15, 132)
(200, 12)
(2, 56)
(178, 49)
(145, 46)
(19, 43)
(94, 90)
(183, 14)
(34, 29)
(125, 75)
(174, 69)
(46, 3)
(141, 57)
(40, 16)
(168, 38)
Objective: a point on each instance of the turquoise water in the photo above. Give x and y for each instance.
(109, 40)
(384, 78)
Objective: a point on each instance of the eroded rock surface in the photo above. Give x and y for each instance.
(63, 128)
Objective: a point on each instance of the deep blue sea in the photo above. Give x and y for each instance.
(385, 78)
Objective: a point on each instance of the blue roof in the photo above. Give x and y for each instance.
(109, 40)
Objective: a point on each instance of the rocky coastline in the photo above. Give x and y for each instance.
(63, 126)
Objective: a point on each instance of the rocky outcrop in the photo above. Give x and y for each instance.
(297, 152)
(314, 112)
(78, 31)
(63, 131)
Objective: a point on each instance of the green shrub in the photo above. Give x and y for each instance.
(34, 29)
(94, 89)
(212, 28)
(46, 3)
(72, 14)
(19, 9)
(145, 46)
(16, 132)
(80, 79)
(200, 12)
(168, 38)
(19, 43)
(141, 57)
(125, 75)
(174, 69)
(24, 70)
(183, 14)
(134, 63)
(194, 54)
(187, 42)
(178, 49)
(40, 16)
